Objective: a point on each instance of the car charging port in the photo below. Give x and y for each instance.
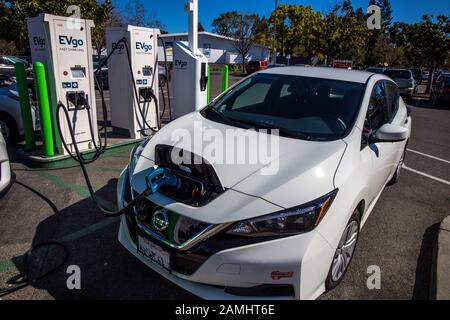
(198, 182)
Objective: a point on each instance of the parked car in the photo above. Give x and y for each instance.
(376, 69)
(229, 229)
(441, 91)
(6, 81)
(11, 116)
(5, 169)
(417, 74)
(7, 65)
(254, 66)
(404, 80)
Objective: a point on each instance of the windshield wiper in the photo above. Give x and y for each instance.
(283, 131)
(227, 119)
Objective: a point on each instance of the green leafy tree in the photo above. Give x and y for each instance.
(298, 29)
(425, 43)
(386, 14)
(240, 27)
(344, 34)
(225, 23)
(14, 14)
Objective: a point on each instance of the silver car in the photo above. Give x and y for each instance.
(5, 169)
(10, 114)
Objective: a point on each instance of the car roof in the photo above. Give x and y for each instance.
(322, 72)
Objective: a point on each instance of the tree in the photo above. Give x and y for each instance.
(225, 23)
(14, 14)
(240, 27)
(242, 33)
(426, 43)
(200, 27)
(386, 14)
(344, 34)
(105, 16)
(261, 33)
(298, 29)
(136, 14)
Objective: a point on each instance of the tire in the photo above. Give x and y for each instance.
(398, 170)
(10, 130)
(343, 257)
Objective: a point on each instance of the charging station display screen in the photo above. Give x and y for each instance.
(78, 73)
(147, 71)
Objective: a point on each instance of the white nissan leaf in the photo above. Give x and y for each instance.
(283, 226)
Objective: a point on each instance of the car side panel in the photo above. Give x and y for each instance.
(353, 182)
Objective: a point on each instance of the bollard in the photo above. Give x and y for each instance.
(25, 108)
(225, 71)
(208, 86)
(44, 109)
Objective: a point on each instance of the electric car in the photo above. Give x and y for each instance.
(230, 230)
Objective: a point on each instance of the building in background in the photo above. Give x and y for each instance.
(218, 49)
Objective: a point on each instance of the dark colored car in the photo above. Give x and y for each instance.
(376, 70)
(254, 66)
(404, 80)
(417, 74)
(441, 91)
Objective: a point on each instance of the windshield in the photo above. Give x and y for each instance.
(398, 74)
(300, 107)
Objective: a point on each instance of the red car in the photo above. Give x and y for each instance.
(254, 66)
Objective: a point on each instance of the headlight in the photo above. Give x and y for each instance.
(135, 155)
(287, 222)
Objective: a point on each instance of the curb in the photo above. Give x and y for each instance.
(440, 286)
(33, 160)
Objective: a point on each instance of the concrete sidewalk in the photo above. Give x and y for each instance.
(441, 279)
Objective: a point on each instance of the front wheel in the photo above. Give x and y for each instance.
(8, 129)
(344, 252)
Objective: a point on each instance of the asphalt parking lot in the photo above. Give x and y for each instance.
(54, 205)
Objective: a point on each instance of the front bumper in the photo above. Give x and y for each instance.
(303, 259)
(5, 177)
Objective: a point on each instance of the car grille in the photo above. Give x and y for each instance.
(182, 233)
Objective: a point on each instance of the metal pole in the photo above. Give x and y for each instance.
(225, 70)
(24, 98)
(192, 9)
(44, 109)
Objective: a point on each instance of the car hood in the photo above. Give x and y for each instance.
(304, 166)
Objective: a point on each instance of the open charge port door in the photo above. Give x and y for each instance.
(76, 100)
(145, 94)
(203, 77)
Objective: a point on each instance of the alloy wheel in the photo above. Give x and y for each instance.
(345, 250)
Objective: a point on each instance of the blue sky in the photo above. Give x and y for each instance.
(172, 15)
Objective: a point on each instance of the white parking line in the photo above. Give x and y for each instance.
(429, 156)
(427, 175)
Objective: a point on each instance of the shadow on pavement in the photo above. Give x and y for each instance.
(108, 271)
(424, 264)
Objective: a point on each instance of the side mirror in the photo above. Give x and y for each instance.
(391, 133)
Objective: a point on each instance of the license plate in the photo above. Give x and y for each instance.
(154, 253)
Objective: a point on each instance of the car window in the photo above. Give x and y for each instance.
(253, 95)
(393, 99)
(377, 113)
(398, 74)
